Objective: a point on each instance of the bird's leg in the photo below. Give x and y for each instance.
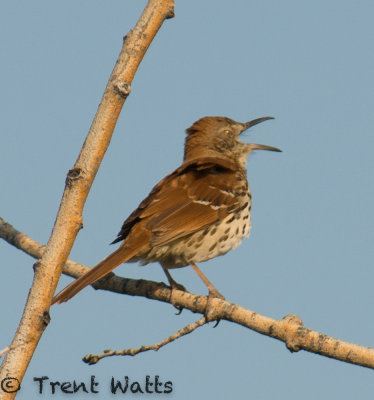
(174, 286)
(213, 293)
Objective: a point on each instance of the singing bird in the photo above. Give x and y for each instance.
(198, 212)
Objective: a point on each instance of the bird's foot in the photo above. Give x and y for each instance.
(176, 286)
(210, 312)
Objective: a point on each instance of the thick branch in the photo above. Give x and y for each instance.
(35, 317)
(289, 330)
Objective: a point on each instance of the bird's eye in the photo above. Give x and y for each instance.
(228, 132)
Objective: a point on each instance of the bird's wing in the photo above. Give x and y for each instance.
(193, 197)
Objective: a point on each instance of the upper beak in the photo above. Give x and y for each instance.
(247, 125)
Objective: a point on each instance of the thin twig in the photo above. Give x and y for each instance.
(3, 351)
(94, 358)
(289, 329)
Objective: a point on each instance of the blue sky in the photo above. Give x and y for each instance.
(308, 64)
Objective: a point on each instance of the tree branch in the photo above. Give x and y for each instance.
(289, 329)
(79, 179)
(3, 351)
(94, 358)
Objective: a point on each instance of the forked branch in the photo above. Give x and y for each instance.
(289, 329)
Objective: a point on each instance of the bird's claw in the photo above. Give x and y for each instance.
(210, 312)
(176, 286)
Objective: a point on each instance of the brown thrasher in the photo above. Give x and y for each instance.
(198, 212)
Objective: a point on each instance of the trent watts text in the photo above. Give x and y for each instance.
(125, 385)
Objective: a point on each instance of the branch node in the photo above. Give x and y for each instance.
(170, 13)
(36, 265)
(46, 318)
(73, 175)
(127, 36)
(292, 345)
(293, 319)
(293, 322)
(122, 88)
(90, 359)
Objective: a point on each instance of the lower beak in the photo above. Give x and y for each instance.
(254, 146)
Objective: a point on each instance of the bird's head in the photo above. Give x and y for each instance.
(219, 137)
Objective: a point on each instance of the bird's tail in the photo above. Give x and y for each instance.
(121, 255)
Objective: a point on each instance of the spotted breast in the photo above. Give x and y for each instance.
(216, 238)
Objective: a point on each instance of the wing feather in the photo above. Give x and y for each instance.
(194, 196)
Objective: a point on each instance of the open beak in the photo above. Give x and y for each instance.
(254, 146)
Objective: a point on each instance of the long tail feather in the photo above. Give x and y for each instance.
(121, 255)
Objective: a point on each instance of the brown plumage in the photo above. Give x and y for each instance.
(198, 212)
